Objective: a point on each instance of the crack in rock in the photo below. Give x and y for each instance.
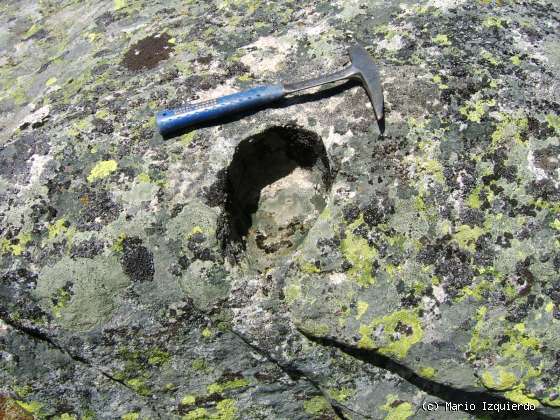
(445, 392)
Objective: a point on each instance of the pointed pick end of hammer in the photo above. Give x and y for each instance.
(381, 124)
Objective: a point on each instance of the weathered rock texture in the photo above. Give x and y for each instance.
(289, 263)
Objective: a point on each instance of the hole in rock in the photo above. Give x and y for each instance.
(277, 185)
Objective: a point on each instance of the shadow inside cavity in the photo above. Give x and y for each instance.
(276, 186)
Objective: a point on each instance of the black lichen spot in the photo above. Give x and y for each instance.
(450, 264)
(105, 19)
(375, 213)
(235, 69)
(102, 126)
(97, 209)
(504, 241)
(196, 244)
(547, 159)
(147, 52)
(517, 312)
(554, 292)
(15, 157)
(184, 262)
(545, 189)
(350, 213)
(42, 212)
(410, 300)
(15, 292)
(86, 249)
(403, 329)
(216, 195)
(137, 261)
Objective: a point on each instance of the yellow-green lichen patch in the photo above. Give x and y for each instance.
(475, 110)
(316, 405)
(102, 114)
(366, 341)
(188, 400)
(360, 254)
(439, 81)
(119, 4)
(397, 409)
(139, 385)
(478, 343)
(341, 394)
(292, 293)
(488, 56)
(143, 178)
(316, 329)
(60, 300)
(226, 410)
(219, 387)
(441, 39)
(394, 334)
(519, 356)
(476, 291)
(207, 333)
(362, 308)
(195, 231)
(133, 415)
(473, 200)
(22, 391)
(466, 237)
(57, 228)
(118, 244)
(15, 246)
(509, 127)
(426, 165)
(33, 29)
(158, 357)
(102, 170)
(187, 138)
(427, 372)
(387, 31)
(518, 396)
(309, 267)
(33, 407)
(493, 22)
(199, 364)
(196, 414)
(80, 126)
(553, 122)
(499, 379)
(515, 60)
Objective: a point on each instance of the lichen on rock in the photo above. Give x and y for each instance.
(290, 261)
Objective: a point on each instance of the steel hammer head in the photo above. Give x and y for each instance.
(365, 70)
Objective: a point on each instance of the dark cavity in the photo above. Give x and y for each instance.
(276, 186)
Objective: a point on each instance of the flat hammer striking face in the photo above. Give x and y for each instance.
(361, 68)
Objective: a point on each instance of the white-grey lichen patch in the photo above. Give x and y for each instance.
(83, 293)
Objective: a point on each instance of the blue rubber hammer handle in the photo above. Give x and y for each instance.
(171, 120)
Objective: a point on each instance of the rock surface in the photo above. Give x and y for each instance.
(290, 262)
